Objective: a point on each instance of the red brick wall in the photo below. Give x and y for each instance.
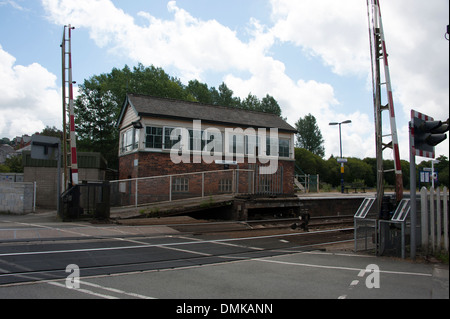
(158, 164)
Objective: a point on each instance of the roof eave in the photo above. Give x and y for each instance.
(173, 117)
(123, 110)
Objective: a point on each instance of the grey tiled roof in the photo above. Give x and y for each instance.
(170, 108)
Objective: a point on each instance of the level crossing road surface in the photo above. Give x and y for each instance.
(158, 262)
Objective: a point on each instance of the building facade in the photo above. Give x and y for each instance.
(161, 137)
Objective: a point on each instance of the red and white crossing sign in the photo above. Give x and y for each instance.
(420, 150)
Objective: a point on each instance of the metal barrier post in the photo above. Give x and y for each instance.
(136, 193)
(203, 184)
(424, 217)
(34, 197)
(170, 188)
(445, 209)
(432, 221)
(438, 219)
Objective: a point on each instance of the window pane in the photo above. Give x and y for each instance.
(168, 143)
(136, 139)
(153, 137)
(122, 145)
(284, 150)
(251, 144)
(225, 185)
(128, 140)
(180, 184)
(214, 142)
(196, 142)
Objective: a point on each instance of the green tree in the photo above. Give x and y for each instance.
(101, 97)
(309, 136)
(155, 81)
(356, 169)
(100, 100)
(332, 172)
(270, 105)
(52, 131)
(14, 164)
(5, 140)
(309, 162)
(225, 97)
(96, 114)
(251, 103)
(200, 92)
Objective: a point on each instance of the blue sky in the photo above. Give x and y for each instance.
(311, 55)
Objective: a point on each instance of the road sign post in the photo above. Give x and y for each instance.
(425, 134)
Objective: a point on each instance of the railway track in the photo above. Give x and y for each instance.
(278, 224)
(196, 243)
(216, 228)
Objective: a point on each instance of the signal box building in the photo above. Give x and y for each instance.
(161, 137)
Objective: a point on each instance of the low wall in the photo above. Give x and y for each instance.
(331, 206)
(16, 198)
(11, 177)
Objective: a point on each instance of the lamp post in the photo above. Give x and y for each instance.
(340, 145)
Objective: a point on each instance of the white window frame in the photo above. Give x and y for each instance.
(283, 154)
(180, 185)
(162, 137)
(129, 140)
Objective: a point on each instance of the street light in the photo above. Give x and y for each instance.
(340, 144)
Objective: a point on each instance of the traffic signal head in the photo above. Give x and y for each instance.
(427, 133)
(430, 132)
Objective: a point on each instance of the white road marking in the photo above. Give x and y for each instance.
(185, 251)
(342, 268)
(157, 245)
(118, 291)
(90, 292)
(85, 291)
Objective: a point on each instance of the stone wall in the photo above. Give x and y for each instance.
(16, 198)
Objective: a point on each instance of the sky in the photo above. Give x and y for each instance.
(312, 56)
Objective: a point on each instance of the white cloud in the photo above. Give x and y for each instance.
(195, 47)
(337, 33)
(334, 31)
(29, 97)
(186, 43)
(13, 4)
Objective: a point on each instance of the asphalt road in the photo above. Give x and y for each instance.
(158, 262)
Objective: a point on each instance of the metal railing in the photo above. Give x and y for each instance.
(166, 188)
(366, 227)
(307, 183)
